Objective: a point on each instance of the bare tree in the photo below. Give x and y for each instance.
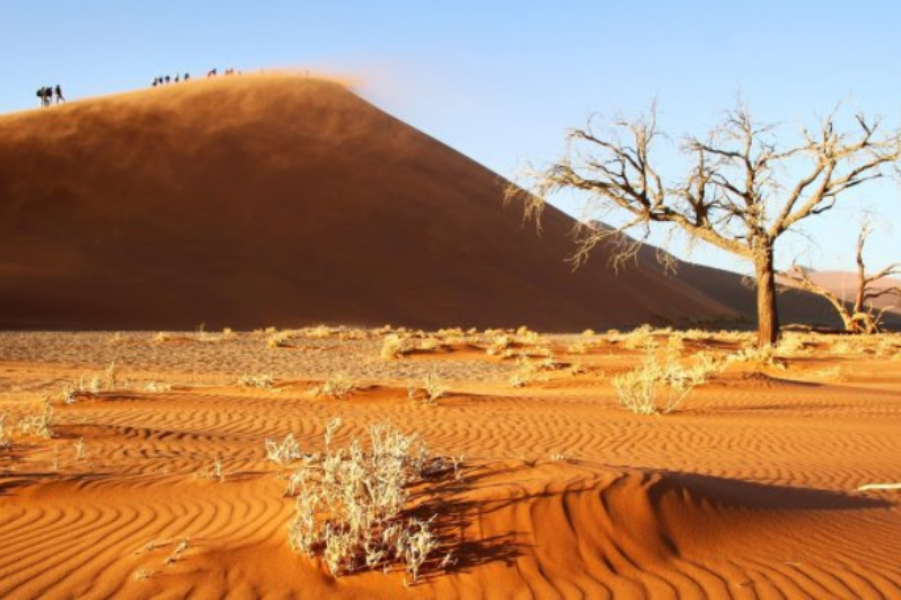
(861, 316)
(734, 195)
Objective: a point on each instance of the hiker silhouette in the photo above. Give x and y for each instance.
(45, 94)
(59, 94)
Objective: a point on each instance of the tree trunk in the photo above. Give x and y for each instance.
(767, 316)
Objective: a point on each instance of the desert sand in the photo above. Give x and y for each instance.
(748, 490)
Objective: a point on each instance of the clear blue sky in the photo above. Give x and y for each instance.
(502, 80)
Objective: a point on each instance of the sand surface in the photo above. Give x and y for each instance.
(748, 491)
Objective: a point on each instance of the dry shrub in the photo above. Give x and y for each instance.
(429, 393)
(279, 339)
(638, 338)
(5, 439)
(157, 387)
(658, 386)
(792, 345)
(351, 504)
(395, 346)
(338, 386)
(765, 356)
(500, 344)
(38, 422)
(262, 381)
(284, 452)
(91, 387)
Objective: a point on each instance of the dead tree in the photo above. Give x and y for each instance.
(861, 316)
(735, 193)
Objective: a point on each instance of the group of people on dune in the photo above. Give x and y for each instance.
(47, 94)
(166, 79)
(215, 72)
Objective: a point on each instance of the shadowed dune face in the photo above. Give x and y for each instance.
(280, 200)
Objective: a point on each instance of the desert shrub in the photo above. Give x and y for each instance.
(792, 345)
(5, 439)
(395, 346)
(284, 452)
(279, 339)
(351, 504)
(38, 422)
(638, 338)
(764, 356)
(156, 387)
(338, 386)
(499, 344)
(431, 390)
(888, 345)
(262, 381)
(91, 387)
(657, 387)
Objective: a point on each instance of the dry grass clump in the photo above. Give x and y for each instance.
(432, 390)
(793, 345)
(284, 452)
(38, 422)
(263, 381)
(279, 339)
(395, 346)
(351, 504)
(322, 332)
(888, 345)
(637, 339)
(5, 438)
(765, 356)
(92, 387)
(658, 386)
(157, 387)
(338, 386)
(162, 337)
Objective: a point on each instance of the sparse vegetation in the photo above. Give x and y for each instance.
(658, 386)
(39, 422)
(351, 504)
(339, 386)
(429, 393)
(263, 381)
(284, 452)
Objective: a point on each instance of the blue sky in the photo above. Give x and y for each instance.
(501, 81)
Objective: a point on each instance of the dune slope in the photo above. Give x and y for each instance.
(280, 200)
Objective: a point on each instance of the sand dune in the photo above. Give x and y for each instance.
(748, 492)
(280, 200)
(844, 285)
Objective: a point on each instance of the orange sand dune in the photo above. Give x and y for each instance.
(747, 492)
(281, 200)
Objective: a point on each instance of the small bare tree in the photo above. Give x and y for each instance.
(734, 193)
(861, 316)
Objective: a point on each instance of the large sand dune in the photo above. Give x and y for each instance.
(281, 200)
